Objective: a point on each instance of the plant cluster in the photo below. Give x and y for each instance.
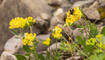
(90, 46)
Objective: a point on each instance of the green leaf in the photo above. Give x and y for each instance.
(13, 31)
(93, 30)
(56, 55)
(80, 26)
(41, 57)
(26, 48)
(83, 14)
(97, 57)
(29, 58)
(103, 31)
(20, 57)
(27, 54)
(48, 56)
(80, 40)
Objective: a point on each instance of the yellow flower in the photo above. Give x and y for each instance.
(100, 45)
(29, 38)
(68, 14)
(104, 46)
(25, 42)
(31, 48)
(71, 18)
(99, 50)
(70, 38)
(64, 43)
(77, 13)
(91, 41)
(57, 29)
(47, 42)
(30, 20)
(99, 37)
(68, 43)
(57, 35)
(57, 32)
(20, 22)
(17, 22)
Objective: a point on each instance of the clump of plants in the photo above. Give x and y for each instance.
(90, 46)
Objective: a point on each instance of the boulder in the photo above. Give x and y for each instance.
(58, 12)
(13, 44)
(1, 1)
(91, 12)
(7, 56)
(55, 20)
(82, 3)
(54, 46)
(102, 2)
(19, 8)
(77, 32)
(45, 16)
(55, 2)
(41, 38)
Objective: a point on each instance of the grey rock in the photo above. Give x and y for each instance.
(1, 1)
(92, 12)
(55, 20)
(7, 56)
(41, 38)
(13, 44)
(58, 12)
(37, 7)
(55, 2)
(82, 3)
(42, 25)
(77, 32)
(74, 58)
(67, 31)
(73, 1)
(102, 3)
(54, 46)
(94, 5)
(45, 16)
(66, 5)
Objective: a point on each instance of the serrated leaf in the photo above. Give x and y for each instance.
(93, 30)
(80, 40)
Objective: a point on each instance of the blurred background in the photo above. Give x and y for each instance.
(49, 12)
